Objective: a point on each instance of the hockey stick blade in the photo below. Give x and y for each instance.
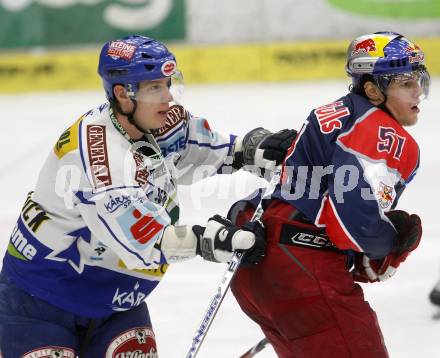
(225, 282)
(255, 349)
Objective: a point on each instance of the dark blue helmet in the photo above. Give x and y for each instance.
(131, 60)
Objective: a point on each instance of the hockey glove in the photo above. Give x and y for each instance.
(409, 233)
(221, 238)
(262, 148)
(275, 146)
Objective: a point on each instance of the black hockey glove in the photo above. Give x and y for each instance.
(218, 241)
(263, 149)
(409, 234)
(275, 146)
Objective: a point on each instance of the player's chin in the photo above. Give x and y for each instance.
(160, 119)
(411, 119)
(414, 115)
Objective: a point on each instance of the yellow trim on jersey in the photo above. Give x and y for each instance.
(68, 141)
(158, 272)
(14, 252)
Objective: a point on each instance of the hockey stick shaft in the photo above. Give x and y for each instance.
(227, 278)
(255, 349)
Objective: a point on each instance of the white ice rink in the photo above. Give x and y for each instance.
(31, 124)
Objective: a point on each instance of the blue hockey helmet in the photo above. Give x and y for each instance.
(384, 55)
(133, 59)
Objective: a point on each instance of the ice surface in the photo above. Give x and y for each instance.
(31, 124)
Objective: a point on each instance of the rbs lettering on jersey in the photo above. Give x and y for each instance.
(328, 116)
(134, 343)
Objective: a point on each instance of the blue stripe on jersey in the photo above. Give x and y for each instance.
(124, 246)
(209, 145)
(83, 197)
(232, 138)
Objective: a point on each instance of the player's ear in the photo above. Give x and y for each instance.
(120, 93)
(373, 93)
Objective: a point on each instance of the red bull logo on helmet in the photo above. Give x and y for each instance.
(415, 53)
(364, 46)
(412, 48)
(417, 58)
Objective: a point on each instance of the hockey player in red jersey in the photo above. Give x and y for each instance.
(331, 221)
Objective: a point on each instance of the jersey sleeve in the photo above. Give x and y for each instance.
(128, 222)
(372, 163)
(201, 151)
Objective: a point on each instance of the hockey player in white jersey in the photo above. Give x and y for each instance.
(97, 234)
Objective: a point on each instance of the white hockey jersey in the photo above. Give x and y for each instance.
(86, 239)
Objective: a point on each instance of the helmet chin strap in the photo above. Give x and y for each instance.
(130, 115)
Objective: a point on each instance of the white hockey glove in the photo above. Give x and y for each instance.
(262, 148)
(221, 238)
(179, 243)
